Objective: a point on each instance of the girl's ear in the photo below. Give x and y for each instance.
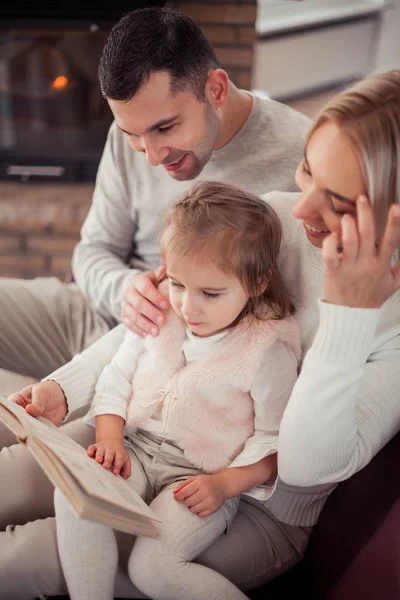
(262, 286)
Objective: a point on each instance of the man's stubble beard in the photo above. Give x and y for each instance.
(202, 155)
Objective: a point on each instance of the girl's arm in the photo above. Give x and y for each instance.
(114, 387)
(270, 392)
(256, 464)
(78, 377)
(109, 448)
(236, 480)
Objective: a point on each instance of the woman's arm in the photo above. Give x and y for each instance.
(345, 405)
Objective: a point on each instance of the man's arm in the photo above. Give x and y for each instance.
(99, 260)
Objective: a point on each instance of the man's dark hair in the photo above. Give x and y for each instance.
(151, 40)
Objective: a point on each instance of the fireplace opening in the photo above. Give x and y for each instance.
(53, 118)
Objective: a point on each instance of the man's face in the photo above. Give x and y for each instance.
(177, 131)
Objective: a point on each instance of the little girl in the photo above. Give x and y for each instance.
(191, 418)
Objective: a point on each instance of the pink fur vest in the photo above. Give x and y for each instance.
(206, 405)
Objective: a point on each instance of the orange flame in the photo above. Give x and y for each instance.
(59, 83)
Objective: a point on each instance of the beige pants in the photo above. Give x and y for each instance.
(43, 324)
(257, 548)
(161, 568)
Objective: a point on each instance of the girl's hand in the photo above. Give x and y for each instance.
(203, 495)
(357, 272)
(112, 455)
(44, 399)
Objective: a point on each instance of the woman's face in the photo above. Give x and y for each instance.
(331, 180)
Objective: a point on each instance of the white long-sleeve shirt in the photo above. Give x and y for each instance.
(270, 392)
(345, 405)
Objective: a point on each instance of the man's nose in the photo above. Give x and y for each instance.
(155, 155)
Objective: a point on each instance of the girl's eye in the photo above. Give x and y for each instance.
(210, 295)
(176, 284)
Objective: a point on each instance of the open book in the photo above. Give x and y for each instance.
(92, 491)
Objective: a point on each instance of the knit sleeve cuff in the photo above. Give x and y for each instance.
(77, 383)
(345, 334)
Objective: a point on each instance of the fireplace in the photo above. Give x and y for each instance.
(40, 223)
(53, 118)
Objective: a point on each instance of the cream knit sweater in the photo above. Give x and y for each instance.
(346, 403)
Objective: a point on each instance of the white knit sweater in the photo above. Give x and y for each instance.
(345, 405)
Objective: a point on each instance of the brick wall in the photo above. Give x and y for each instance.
(40, 224)
(230, 27)
(39, 227)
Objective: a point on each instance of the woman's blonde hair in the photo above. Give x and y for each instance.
(237, 232)
(369, 114)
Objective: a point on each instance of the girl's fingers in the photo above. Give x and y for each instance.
(109, 456)
(205, 513)
(198, 508)
(99, 454)
(366, 228)
(119, 460)
(391, 237)
(185, 492)
(126, 469)
(193, 499)
(91, 451)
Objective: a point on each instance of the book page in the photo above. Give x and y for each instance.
(23, 425)
(97, 481)
(12, 418)
(93, 478)
(129, 519)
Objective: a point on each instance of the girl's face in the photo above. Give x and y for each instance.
(330, 178)
(208, 299)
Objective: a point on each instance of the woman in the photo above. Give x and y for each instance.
(336, 259)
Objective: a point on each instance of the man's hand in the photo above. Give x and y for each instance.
(143, 304)
(203, 495)
(45, 399)
(111, 453)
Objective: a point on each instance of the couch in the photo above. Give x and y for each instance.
(354, 551)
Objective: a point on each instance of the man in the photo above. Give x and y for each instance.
(187, 122)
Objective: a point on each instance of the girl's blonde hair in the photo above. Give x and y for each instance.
(369, 114)
(236, 231)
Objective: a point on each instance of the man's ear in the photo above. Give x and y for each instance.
(217, 86)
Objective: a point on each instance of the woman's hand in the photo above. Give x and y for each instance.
(111, 453)
(358, 272)
(203, 494)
